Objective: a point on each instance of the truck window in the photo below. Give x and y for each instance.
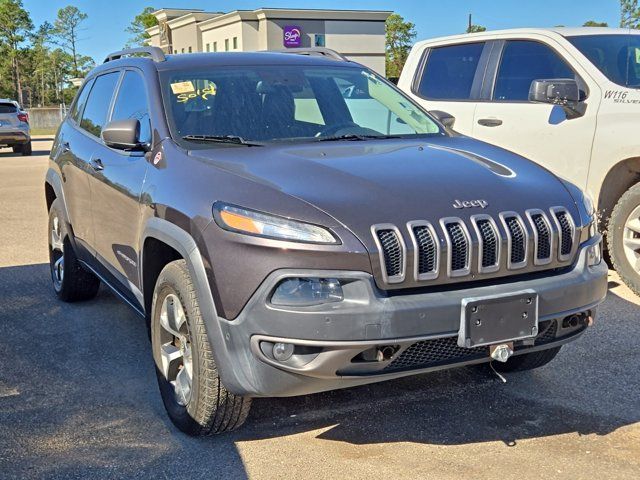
(97, 109)
(523, 62)
(616, 56)
(132, 103)
(450, 71)
(78, 107)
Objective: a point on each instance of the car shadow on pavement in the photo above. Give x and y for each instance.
(78, 394)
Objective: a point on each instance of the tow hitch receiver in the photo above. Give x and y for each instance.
(501, 352)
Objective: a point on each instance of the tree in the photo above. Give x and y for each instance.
(139, 25)
(592, 23)
(629, 14)
(66, 28)
(15, 25)
(476, 29)
(399, 37)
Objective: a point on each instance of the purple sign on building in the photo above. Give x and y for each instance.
(292, 36)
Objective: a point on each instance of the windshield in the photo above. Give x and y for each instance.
(616, 56)
(283, 103)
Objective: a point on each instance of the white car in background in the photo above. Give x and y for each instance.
(567, 98)
(14, 127)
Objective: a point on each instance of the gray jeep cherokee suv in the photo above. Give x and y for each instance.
(290, 224)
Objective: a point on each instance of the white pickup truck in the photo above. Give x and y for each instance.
(567, 98)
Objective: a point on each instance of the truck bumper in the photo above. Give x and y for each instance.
(421, 329)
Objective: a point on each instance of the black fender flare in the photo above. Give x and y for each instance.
(181, 241)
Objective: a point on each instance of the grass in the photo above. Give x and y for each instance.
(43, 131)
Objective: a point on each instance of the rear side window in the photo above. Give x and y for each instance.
(8, 108)
(78, 107)
(523, 62)
(450, 71)
(132, 103)
(97, 108)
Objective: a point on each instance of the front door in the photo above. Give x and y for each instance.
(540, 132)
(117, 187)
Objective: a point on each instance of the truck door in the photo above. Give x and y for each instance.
(540, 132)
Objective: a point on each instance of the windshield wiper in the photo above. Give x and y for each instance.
(234, 139)
(355, 137)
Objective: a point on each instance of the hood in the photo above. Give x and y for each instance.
(362, 183)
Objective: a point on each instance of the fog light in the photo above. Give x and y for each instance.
(594, 254)
(305, 292)
(282, 351)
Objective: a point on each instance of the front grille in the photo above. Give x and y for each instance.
(471, 255)
(391, 251)
(518, 250)
(566, 233)
(443, 351)
(427, 250)
(489, 243)
(459, 252)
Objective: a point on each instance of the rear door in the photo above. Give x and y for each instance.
(117, 187)
(540, 132)
(450, 78)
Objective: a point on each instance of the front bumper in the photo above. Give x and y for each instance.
(330, 336)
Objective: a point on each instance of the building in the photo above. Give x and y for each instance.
(357, 34)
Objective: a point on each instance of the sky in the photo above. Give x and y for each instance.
(104, 28)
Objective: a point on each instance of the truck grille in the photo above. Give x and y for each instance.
(453, 246)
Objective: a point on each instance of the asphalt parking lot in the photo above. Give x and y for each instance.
(78, 396)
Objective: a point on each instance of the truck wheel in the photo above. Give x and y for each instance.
(71, 281)
(527, 361)
(623, 238)
(26, 149)
(195, 398)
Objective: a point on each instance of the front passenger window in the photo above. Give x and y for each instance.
(132, 103)
(97, 109)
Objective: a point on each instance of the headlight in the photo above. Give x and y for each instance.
(594, 254)
(250, 222)
(587, 201)
(305, 292)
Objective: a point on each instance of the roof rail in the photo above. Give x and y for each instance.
(156, 54)
(316, 51)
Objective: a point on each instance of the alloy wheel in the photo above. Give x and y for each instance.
(57, 253)
(175, 348)
(631, 239)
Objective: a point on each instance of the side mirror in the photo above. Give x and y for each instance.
(444, 118)
(559, 91)
(123, 135)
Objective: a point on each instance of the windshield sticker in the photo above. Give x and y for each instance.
(203, 93)
(182, 87)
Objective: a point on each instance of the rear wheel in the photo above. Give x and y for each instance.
(71, 281)
(193, 394)
(527, 361)
(17, 149)
(26, 149)
(623, 238)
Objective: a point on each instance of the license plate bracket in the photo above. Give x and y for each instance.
(498, 319)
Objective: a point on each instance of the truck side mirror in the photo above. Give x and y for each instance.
(123, 135)
(558, 91)
(444, 118)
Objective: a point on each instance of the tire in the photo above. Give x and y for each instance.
(527, 361)
(181, 348)
(71, 281)
(623, 242)
(26, 149)
(17, 148)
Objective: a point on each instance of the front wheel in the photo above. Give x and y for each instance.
(193, 394)
(623, 238)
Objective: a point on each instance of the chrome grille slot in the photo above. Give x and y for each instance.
(566, 230)
(489, 248)
(516, 240)
(459, 251)
(543, 236)
(392, 252)
(427, 249)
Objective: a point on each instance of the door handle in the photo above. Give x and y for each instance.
(490, 122)
(66, 147)
(97, 164)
